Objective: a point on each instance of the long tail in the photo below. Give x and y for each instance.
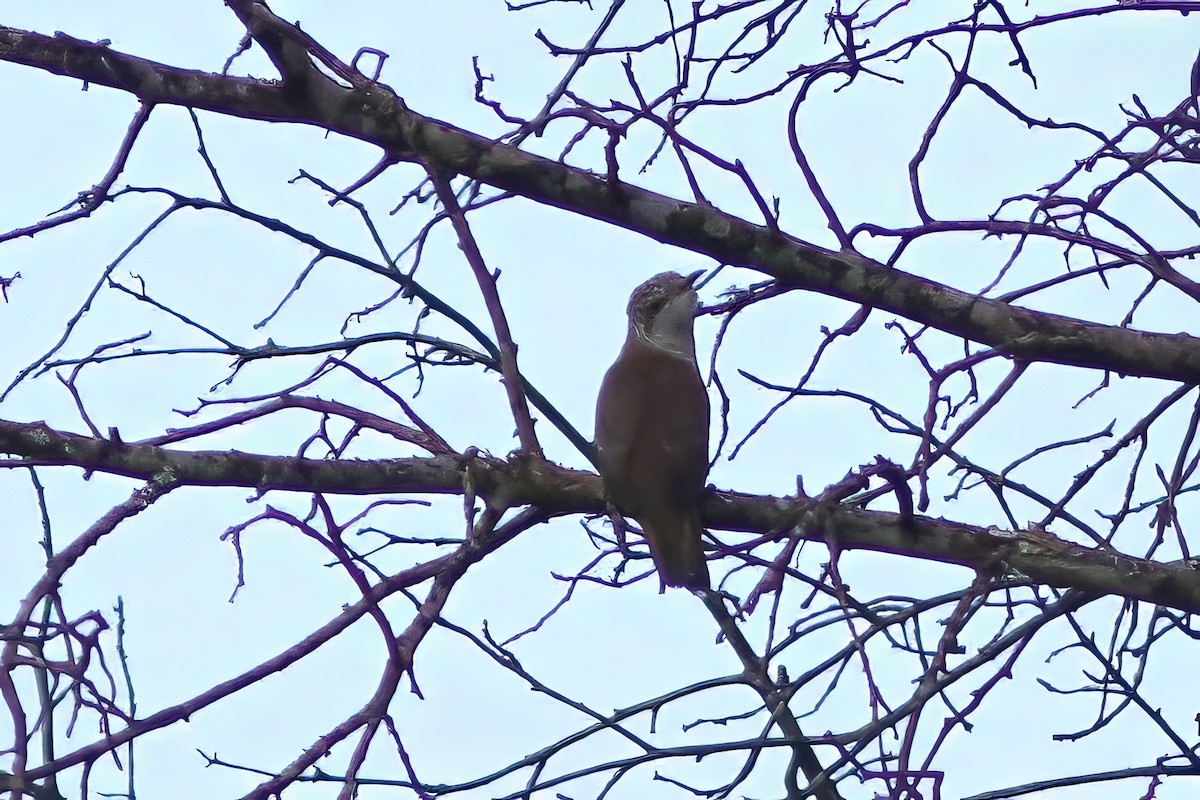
(675, 545)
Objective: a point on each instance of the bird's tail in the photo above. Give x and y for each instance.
(675, 545)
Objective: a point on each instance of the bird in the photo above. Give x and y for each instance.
(651, 443)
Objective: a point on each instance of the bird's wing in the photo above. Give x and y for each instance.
(656, 400)
(618, 409)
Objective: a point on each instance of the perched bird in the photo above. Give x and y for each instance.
(652, 428)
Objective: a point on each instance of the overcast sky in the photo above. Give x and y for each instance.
(565, 282)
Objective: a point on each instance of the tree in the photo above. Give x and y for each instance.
(950, 259)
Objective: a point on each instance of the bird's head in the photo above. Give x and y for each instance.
(661, 311)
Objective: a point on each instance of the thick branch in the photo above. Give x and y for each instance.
(374, 113)
(1041, 556)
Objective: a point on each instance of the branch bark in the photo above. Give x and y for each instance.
(375, 113)
(524, 481)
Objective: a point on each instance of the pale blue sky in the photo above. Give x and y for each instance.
(565, 280)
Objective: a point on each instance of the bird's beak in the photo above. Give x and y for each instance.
(691, 279)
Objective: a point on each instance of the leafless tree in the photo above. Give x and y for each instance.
(899, 290)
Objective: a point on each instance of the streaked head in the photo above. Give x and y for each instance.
(661, 311)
